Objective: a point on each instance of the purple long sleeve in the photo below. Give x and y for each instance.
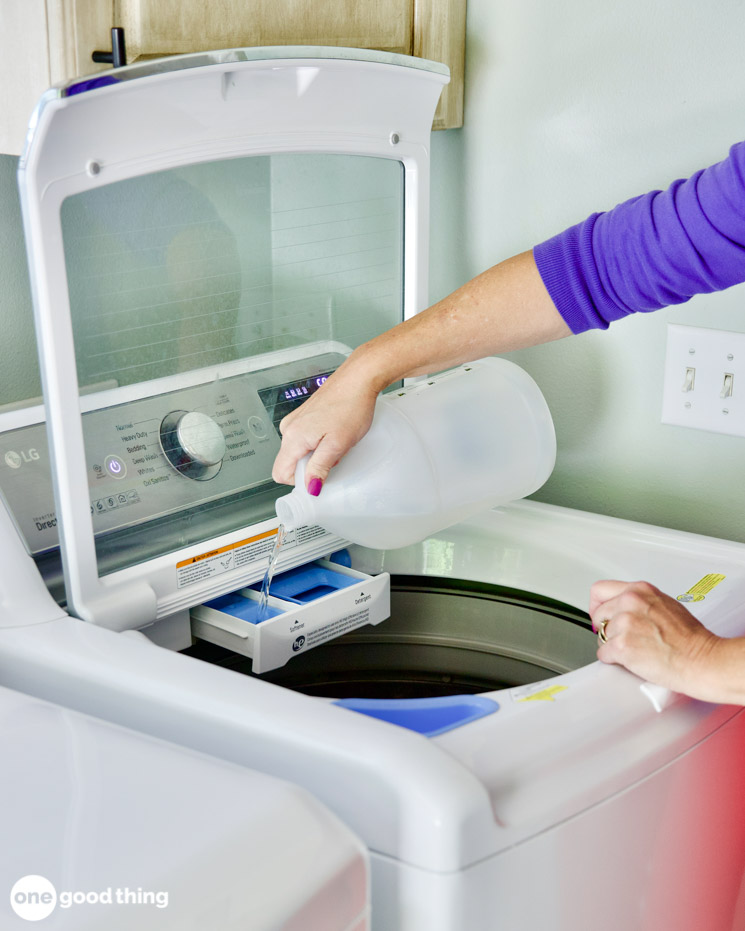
(651, 251)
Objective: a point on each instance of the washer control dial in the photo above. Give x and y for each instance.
(193, 443)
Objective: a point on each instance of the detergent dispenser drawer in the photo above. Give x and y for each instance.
(305, 607)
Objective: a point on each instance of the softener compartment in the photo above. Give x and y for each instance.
(306, 606)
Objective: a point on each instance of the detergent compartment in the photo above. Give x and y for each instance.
(307, 606)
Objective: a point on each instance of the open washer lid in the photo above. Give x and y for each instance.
(131, 130)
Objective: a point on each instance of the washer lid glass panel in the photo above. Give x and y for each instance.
(206, 301)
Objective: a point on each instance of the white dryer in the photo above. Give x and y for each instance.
(104, 827)
(208, 236)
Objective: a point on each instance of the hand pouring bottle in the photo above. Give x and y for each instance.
(438, 451)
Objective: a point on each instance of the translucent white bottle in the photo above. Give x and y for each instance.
(437, 452)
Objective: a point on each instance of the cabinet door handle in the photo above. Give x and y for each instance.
(117, 57)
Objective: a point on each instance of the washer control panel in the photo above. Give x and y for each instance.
(156, 455)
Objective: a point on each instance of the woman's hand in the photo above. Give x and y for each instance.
(656, 637)
(327, 425)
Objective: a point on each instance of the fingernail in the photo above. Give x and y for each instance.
(314, 486)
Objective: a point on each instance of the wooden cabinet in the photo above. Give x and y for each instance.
(44, 42)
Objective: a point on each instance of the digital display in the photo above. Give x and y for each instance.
(279, 400)
(301, 390)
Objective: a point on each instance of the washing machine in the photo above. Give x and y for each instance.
(208, 237)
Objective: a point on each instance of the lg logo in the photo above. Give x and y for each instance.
(15, 460)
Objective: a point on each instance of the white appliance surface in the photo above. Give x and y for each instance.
(590, 800)
(133, 832)
(570, 789)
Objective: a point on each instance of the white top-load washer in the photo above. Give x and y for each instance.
(104, 827)
(208, 236)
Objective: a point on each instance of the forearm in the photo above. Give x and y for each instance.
(720, 674)
(506, 307)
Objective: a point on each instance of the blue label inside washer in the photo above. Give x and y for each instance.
(427, 716)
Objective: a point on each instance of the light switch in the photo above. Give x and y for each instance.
(701, 368)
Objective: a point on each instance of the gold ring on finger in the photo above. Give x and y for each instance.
(602, 636)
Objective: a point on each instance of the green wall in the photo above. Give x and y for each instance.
(19, 370)
(571, 108)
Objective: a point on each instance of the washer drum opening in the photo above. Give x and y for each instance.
(444, 637)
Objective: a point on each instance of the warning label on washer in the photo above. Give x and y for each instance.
(233, 556)
(303, 534)
(701, 589)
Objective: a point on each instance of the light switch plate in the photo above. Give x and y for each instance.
(694, 399)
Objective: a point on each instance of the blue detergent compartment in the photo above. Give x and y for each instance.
(296, 587)
(236, 605)
(308, 606)
(427, 716)
(307, 583)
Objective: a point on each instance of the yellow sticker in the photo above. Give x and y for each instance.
(546, 694)
(701, 589)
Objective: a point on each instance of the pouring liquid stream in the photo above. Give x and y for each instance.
(269, 574)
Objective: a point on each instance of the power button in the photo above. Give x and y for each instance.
(257, 426)
(115, 467)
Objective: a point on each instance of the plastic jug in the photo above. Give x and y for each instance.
(438, 451)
